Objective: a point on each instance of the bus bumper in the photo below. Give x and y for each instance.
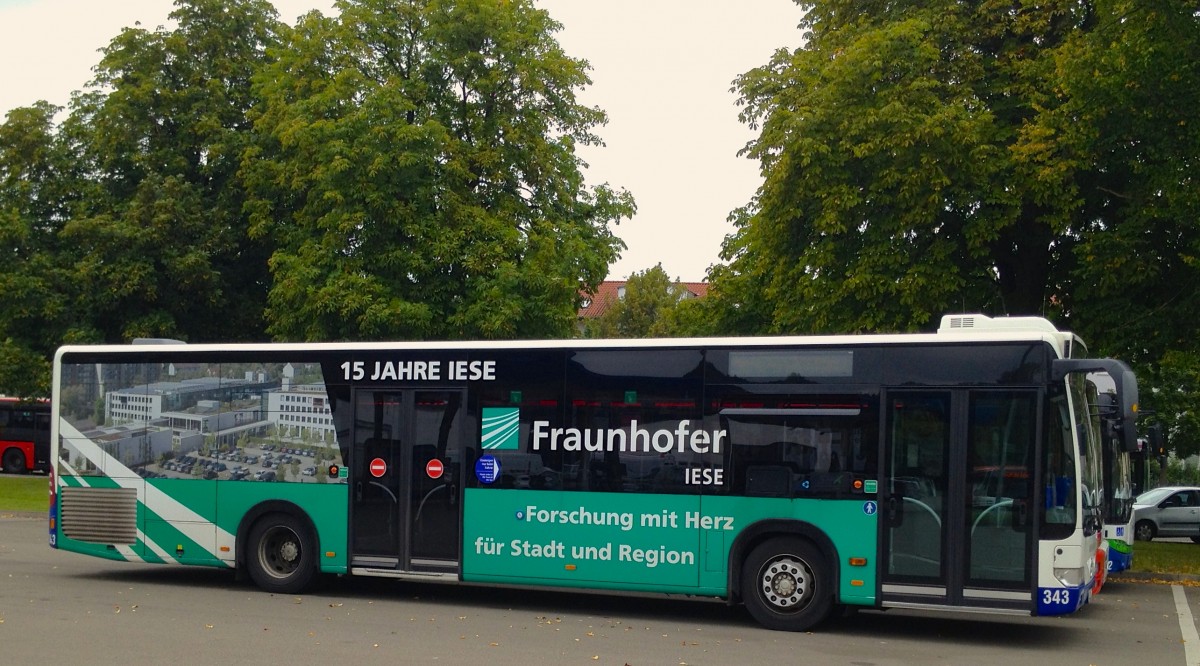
(1119, 561)
(53, 517)
(1063, 600)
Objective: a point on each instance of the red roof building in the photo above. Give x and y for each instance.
(611, 291)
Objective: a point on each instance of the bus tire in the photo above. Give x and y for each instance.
(787, 585)
(283, 554)
(14, 461)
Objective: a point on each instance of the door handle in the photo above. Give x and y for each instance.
(895, 512)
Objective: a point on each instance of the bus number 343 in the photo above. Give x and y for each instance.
(1056, 597)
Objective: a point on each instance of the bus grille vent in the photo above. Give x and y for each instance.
(99, 515)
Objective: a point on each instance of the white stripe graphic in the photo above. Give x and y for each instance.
(74, 474)
(166, 557)
(187, 521)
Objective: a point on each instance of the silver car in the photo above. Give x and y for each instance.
(1170, 511)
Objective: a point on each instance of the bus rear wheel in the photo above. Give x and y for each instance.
(14, 461)
(282, 557)
(786, 584)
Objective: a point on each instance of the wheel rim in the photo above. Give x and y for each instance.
(786, 583)
(1144, 532)
(279, 552)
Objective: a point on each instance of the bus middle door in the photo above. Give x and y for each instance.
(405, 510)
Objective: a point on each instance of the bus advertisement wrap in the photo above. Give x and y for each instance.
(960, 471)
(642, 542)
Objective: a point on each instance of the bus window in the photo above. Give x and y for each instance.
(1003, 433)
(821, 445)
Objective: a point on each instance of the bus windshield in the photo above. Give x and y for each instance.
(1087, 429)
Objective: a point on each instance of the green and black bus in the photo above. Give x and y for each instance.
(956, 471)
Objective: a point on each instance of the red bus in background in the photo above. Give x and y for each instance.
(24, 436)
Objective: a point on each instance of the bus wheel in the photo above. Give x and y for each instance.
(282, 555)
(14, 461)
(786, 584)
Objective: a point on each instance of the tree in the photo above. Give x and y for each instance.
(1132, 119)
(646, 310)
(996, 157)
(417, 170)
(160, 239)
(905, 175)
(1172, 387)
(39, 182)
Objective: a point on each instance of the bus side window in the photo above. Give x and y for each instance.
(810, 439)
(768, 481)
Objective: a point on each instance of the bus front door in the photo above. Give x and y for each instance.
(957, 499)
(404, 480)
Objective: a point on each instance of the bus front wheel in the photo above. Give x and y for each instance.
(282, 557)
(786, 584)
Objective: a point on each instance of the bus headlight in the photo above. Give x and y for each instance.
(1069, 577)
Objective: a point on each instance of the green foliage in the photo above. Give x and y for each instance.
(1176, 473)
(126, 219)
(37, 172)
(418, 173)
(23, 372)
(161, 237)
(648, 309)
(949, 156)
(1171, 386)
(405, 170)
(953, 156)
(898, 182)
(1132, 116)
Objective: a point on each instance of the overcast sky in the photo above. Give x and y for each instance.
(661, 69)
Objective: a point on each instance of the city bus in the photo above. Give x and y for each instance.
(1119, 492)
(955, 471)
(24, 435)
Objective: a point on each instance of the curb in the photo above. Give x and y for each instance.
(1145, 577)
(22, 514)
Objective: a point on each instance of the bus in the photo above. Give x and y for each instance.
(1119, 491)
(24, 435)
(956, 471)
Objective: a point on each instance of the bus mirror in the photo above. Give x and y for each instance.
(1126, 386)
(1127, 394)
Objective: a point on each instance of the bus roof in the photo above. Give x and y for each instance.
(961, 328)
